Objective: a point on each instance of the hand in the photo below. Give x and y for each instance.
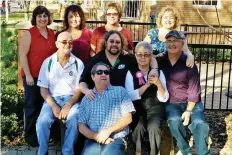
(186, 117)
(56, 110)
(190, 61)
(64, 111)
(30, 80)
(90, 94)
(108, 141)
(103, 135)
(154, 80)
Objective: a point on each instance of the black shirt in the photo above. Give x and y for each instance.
(118, 70)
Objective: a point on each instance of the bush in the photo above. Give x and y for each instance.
(11, 97)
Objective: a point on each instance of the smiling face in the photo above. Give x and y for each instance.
(64, 43)
(100, 78)
(168, 20)
(114, 44)
(174, 45)
(42, 20)
(74, 20)
(143, 56)
(112, 16)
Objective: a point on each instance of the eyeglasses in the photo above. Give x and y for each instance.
(173, 41)
(139, 55)
(111, 14)
(64, 42)
(100, 72)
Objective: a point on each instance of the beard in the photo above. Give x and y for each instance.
(115, 52)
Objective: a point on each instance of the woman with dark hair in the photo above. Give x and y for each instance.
(36, 45)
(75, 23)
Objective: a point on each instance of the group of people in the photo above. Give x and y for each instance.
(125, 88)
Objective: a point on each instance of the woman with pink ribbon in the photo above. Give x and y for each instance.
(148, 95)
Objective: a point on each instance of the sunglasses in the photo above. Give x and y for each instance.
(100, 72)
(64, 42)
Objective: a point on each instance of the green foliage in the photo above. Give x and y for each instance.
(11, 97)
(9, 124)
(211, 54)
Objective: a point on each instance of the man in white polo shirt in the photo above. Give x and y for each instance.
(58, 80)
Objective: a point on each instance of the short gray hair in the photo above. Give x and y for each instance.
(94, 69)
(145, 45)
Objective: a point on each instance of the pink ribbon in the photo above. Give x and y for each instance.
(139, 75)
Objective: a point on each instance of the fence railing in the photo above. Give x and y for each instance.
(214, 63)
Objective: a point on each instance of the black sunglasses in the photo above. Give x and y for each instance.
(100, 72)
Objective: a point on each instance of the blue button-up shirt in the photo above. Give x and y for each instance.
(106, 110)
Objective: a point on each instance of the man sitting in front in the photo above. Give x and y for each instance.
(104, 120)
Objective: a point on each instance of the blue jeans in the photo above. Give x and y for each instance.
(198, 127)
(46, 119)
(116, 147)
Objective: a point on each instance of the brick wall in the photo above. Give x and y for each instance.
(189, 14)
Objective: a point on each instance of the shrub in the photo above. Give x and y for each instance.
(11, 97)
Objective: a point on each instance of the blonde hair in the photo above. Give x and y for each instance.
(175, 12)
(115, 6)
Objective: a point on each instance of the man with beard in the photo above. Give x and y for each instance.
(112, 56)
(105, 120)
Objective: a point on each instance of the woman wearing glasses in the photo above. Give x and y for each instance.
(168, 19)
(113, 14)
(148, 95)
(36, 45)
(75, 23)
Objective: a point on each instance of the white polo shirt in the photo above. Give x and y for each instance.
(60, 80)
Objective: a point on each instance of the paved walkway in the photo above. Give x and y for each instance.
(27, 150)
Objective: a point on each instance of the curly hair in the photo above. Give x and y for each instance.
(40, 10)
(175, 12)
(74, 9)
(115, 6)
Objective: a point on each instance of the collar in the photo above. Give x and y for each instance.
(109, 87)
(182, 57)
(70, 61)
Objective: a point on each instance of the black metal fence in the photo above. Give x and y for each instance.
(213, 55)
(214, 63)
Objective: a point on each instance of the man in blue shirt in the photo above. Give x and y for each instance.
(184, 96)
(104, 120)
